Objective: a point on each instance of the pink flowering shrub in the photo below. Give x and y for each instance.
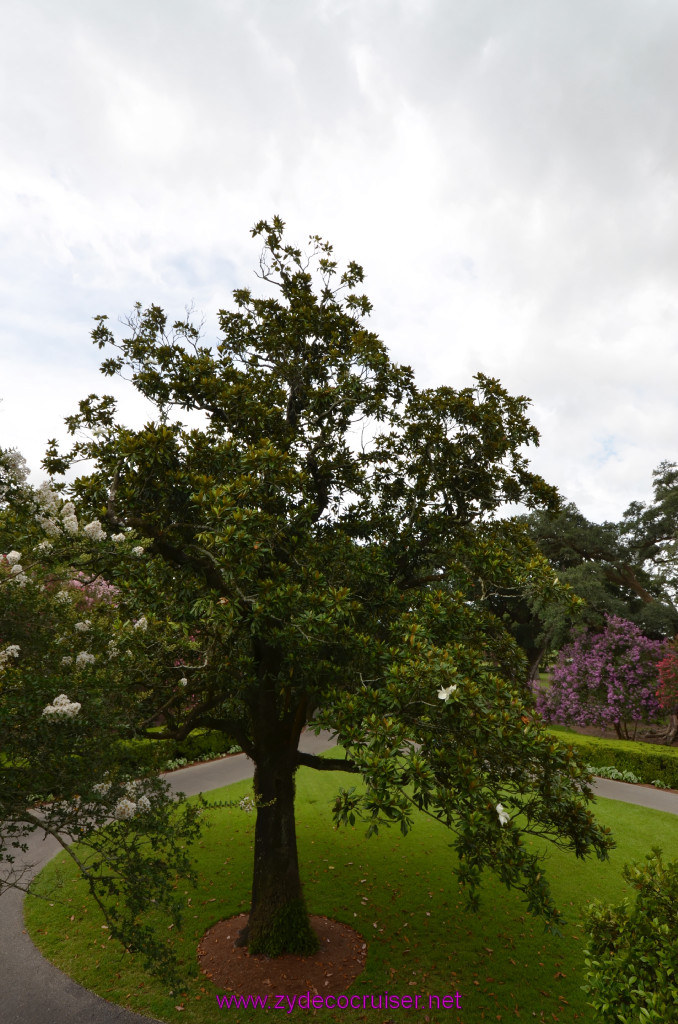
(93, 591)
(606, 679)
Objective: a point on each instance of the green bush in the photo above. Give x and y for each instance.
(646, 760)
(632, 955)
(144, 754)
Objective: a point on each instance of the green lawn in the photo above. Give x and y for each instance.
(397, 892)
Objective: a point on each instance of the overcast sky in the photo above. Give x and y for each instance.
(505, 173)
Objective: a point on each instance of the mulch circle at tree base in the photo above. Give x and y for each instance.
(330, 971)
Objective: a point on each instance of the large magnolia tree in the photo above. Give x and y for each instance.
(322, 551)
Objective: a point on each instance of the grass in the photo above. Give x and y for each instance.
(397, 892)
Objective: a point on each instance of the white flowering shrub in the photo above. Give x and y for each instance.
(125, 808)
(64, 702)
(61, 707)
(94, 530)
(13, 472)
(70, 524)
(12, 651)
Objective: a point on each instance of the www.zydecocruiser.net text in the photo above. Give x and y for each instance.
(309, 1001)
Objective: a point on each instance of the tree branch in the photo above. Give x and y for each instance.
(326, 764)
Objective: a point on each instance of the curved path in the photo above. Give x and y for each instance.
(33, 991)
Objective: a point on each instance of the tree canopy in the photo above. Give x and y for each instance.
(323, 550)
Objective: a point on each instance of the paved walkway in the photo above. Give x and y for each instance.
(32, 991)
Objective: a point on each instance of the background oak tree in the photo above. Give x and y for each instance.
(628, 569)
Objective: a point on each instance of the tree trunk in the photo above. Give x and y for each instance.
(535, 658)
(278, 921)
(672, 730)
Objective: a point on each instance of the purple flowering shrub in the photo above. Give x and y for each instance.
(606, 679)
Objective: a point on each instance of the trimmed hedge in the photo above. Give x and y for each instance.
(139, 754)
(648, 761)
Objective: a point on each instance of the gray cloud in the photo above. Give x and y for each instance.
(505, 172)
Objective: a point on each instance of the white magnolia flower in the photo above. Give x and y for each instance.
(183, 681)
(82, 627)
(16, 568)
(67, 509)
(20, 577)
(502, 814)
(138, 550)
(44, 546)
(246, 804)
(118, 538)
(61, 707)
(141, 623)
(71, 524)
(67, 660)
(125, 809)
(102, 788)
(94, 530)
(143, 804)
(63, 597)
(446, 693)
(13, 557)
(84, 658)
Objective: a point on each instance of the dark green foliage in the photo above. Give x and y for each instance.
(632, 955)
(136, 754)
(628, 569)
